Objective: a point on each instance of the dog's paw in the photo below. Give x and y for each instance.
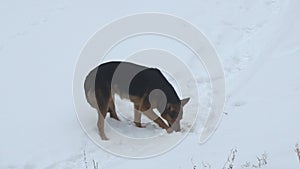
(169, 130)
(103, 137)
(139, 125)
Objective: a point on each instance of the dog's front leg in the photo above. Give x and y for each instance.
(137, 118)
(151, 115)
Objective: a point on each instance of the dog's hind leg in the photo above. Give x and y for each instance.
(100, 124)
(102, 97)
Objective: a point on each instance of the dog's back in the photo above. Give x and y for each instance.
(127, 80)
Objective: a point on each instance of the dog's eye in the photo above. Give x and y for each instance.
(173, 114)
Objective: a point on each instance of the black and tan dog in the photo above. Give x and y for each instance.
(147, 88)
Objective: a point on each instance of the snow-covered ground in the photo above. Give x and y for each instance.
(258, 45)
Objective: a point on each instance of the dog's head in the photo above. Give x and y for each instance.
(173, 113)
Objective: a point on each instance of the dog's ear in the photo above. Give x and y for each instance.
(184, 101)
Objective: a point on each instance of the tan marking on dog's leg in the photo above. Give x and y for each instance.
(151, 115)
(92, 99)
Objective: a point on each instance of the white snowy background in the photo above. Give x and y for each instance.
(258, 42)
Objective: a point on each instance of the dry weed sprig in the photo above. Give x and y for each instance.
(297, 150)
(206, 165)
(261, 161)
(194, 165)
(84, 160)
(229, 164)
(95, 164)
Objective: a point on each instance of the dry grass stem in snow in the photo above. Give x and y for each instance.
(95, 164)
(261, 161)
(206, 165)
(84, 160)
(297, 150)
(194, 165)
(230, 160)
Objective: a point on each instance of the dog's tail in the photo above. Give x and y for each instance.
(89, 87)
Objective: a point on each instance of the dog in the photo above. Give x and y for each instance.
(146, 88)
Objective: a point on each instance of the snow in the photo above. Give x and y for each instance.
(258, 45)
